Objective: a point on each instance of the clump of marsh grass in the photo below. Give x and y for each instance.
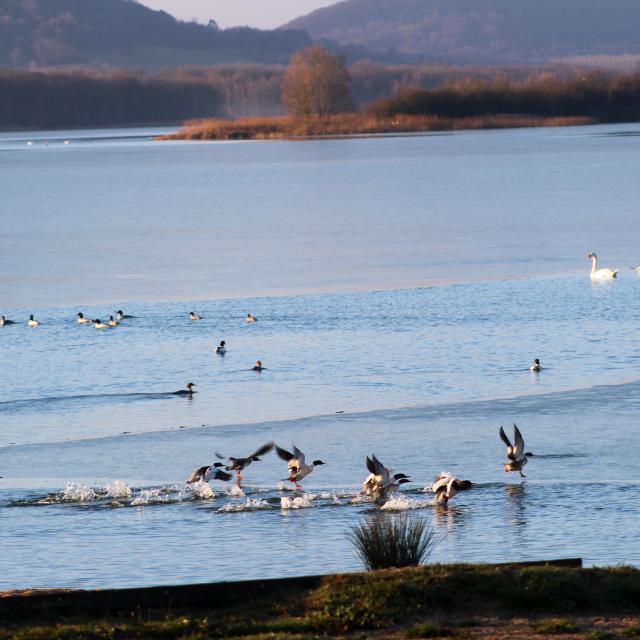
(382, 542)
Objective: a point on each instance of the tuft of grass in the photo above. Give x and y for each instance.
(631, 632)
(555, 626)
(427, 630)
(392, 542)
(599, 634)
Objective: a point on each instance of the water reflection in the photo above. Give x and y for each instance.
(515, 503)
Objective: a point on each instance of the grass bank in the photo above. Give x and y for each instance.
(353, 124)
(454, 601)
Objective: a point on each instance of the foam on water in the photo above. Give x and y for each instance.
(118, 489)
(201, 490)
(78, 493)
(305, 501)
(404, 503)
(251, 504)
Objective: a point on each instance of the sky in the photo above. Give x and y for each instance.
(264, 14)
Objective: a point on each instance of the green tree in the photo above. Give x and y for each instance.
(316, 84)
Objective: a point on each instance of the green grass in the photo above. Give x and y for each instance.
(553, 627)
(599, 634)
(427, 630)
(360, 603)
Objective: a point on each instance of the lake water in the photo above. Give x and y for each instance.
(406, 283)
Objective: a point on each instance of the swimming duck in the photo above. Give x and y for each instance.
(600, 274)
(379, 483)
(536, 366)
(205, 473)
(82, 320)
(258, 366)
(447, 486)
(98, 324)
(636, 269)
(112, 322)
(515, 452)
(298, 469)
(251, 318)
(32, 321)
(221, 349)
(240, 464)
(4, 321)
(120, 315)
(186, 392)
(194, 316)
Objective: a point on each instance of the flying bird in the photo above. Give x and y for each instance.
(296, 465)
(516, 454)
(380, 484)
(240, 464)
(207, 472)
(447, 486)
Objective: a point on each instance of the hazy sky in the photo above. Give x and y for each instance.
(264, 14)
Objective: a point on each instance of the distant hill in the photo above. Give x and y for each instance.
(482, 31)
(124, 33)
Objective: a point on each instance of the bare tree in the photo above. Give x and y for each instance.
(316, 84)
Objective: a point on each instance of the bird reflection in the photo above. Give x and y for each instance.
(448, 516)
(515, 503)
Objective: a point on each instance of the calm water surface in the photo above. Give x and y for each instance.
(94, 451)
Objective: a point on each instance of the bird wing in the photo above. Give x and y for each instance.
(262, 450)
(220, 456)
(198, 474)
(283, 454)
(298, 454)
(518, 450)
(381, 470)
(505, 439)
(221, 475)
(440, 483)
(370, 468)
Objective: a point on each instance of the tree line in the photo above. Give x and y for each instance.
(597, 95)
(80, 99)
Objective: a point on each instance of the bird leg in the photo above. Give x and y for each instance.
(522, 475)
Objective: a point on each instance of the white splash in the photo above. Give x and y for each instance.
(202, 491)
(150, 496)
(402, 503)
(78, 493)
(235, 491)
(249, 505)
(118, 489)
(299, 502)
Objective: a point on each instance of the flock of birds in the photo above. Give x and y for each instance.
(379, 485)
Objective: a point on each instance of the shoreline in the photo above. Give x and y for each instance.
(516, 600)
(358, 125)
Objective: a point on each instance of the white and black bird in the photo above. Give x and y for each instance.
(194, 316)
(516, 454)
(447, 486)
(208, 472)
(296, 464)
(4, 322)
(536, 366)
(82, 320)
(221, 349)
(240, 464)
(121, 315)
(188, 391)
(380, 484)
(32, 321)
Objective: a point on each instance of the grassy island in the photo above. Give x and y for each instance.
(353, 124)
(437, 601)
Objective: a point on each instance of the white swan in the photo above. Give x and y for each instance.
(600, 274)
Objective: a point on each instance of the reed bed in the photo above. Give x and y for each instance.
(354, 124)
